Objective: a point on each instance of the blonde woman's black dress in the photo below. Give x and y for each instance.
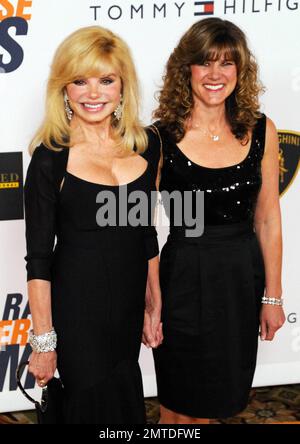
(98, 278)
(211, 286)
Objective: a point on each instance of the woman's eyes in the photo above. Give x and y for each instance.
(106, 81)
(227, 63)
(103, 81)
(224, 63)
(79, 82)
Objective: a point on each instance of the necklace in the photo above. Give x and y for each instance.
(212, 136)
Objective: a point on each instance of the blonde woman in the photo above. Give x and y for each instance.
(87, 279)
(217, 288)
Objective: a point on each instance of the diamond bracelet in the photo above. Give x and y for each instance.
(43, 343)
(272, 301)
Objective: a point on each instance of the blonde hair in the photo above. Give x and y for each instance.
(208, 39)
(86, 53)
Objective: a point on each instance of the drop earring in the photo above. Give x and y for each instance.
(68, 109)
(118, 111)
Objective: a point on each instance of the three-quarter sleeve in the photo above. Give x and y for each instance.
(40, 214)
(152, 155)
(151, 242)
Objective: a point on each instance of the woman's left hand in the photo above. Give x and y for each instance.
(152, 331)
(272, 319)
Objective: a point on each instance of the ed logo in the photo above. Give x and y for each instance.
(13, 23)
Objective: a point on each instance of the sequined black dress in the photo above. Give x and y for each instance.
(98, 280)
(211, 286)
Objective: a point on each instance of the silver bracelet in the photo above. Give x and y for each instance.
(43, 343)
(272, 301)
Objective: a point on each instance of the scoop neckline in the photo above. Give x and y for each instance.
(107, 185)
(217, 168)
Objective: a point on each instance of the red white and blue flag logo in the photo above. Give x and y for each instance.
(204, 8)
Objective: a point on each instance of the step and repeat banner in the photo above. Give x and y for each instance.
(30, 31)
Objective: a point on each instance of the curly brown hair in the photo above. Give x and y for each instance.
(207, 40)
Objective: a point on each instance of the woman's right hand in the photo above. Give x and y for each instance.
(152, 330)
(42, 366)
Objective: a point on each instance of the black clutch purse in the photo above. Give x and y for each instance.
(50, 409)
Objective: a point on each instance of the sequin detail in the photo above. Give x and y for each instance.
(230, 192)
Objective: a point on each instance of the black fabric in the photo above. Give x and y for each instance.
(230, 193)
(212, 287)
(153, 151)
(152, 155)
(98, 281)
(44, 178)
